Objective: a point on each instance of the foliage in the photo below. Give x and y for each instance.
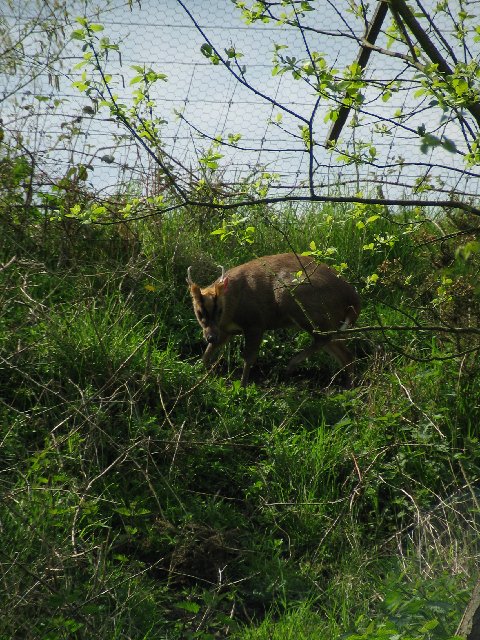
(423, 610)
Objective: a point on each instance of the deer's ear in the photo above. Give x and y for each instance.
(221, 287)
(195, 292)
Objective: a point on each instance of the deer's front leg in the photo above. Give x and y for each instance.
(253, 340)
(213, 347)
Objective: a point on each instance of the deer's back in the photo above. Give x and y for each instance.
(286, 289)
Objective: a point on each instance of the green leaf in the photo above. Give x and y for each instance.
(191, 607)
(428, 626)
(419, 92)
(465, 251)
(80, 64)
(460, 85)
(232, 53)
(207, 50)
(120, 557)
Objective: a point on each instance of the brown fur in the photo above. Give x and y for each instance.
(272, 292)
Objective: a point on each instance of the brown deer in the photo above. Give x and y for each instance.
(285, 290)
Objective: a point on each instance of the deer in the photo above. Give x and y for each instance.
(273, 292)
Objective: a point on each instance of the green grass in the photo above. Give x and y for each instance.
(142, 498)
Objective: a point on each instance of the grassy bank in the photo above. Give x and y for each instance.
(142, 498)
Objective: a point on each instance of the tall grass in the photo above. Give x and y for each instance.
(143, 498)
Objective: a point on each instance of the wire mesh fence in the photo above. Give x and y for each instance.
(202, 102)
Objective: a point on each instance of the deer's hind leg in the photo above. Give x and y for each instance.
(317, 344)
(335, 348)
(342, 355)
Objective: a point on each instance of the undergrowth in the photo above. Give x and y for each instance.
(144, 498)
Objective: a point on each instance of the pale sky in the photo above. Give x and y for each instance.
(160, 34)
